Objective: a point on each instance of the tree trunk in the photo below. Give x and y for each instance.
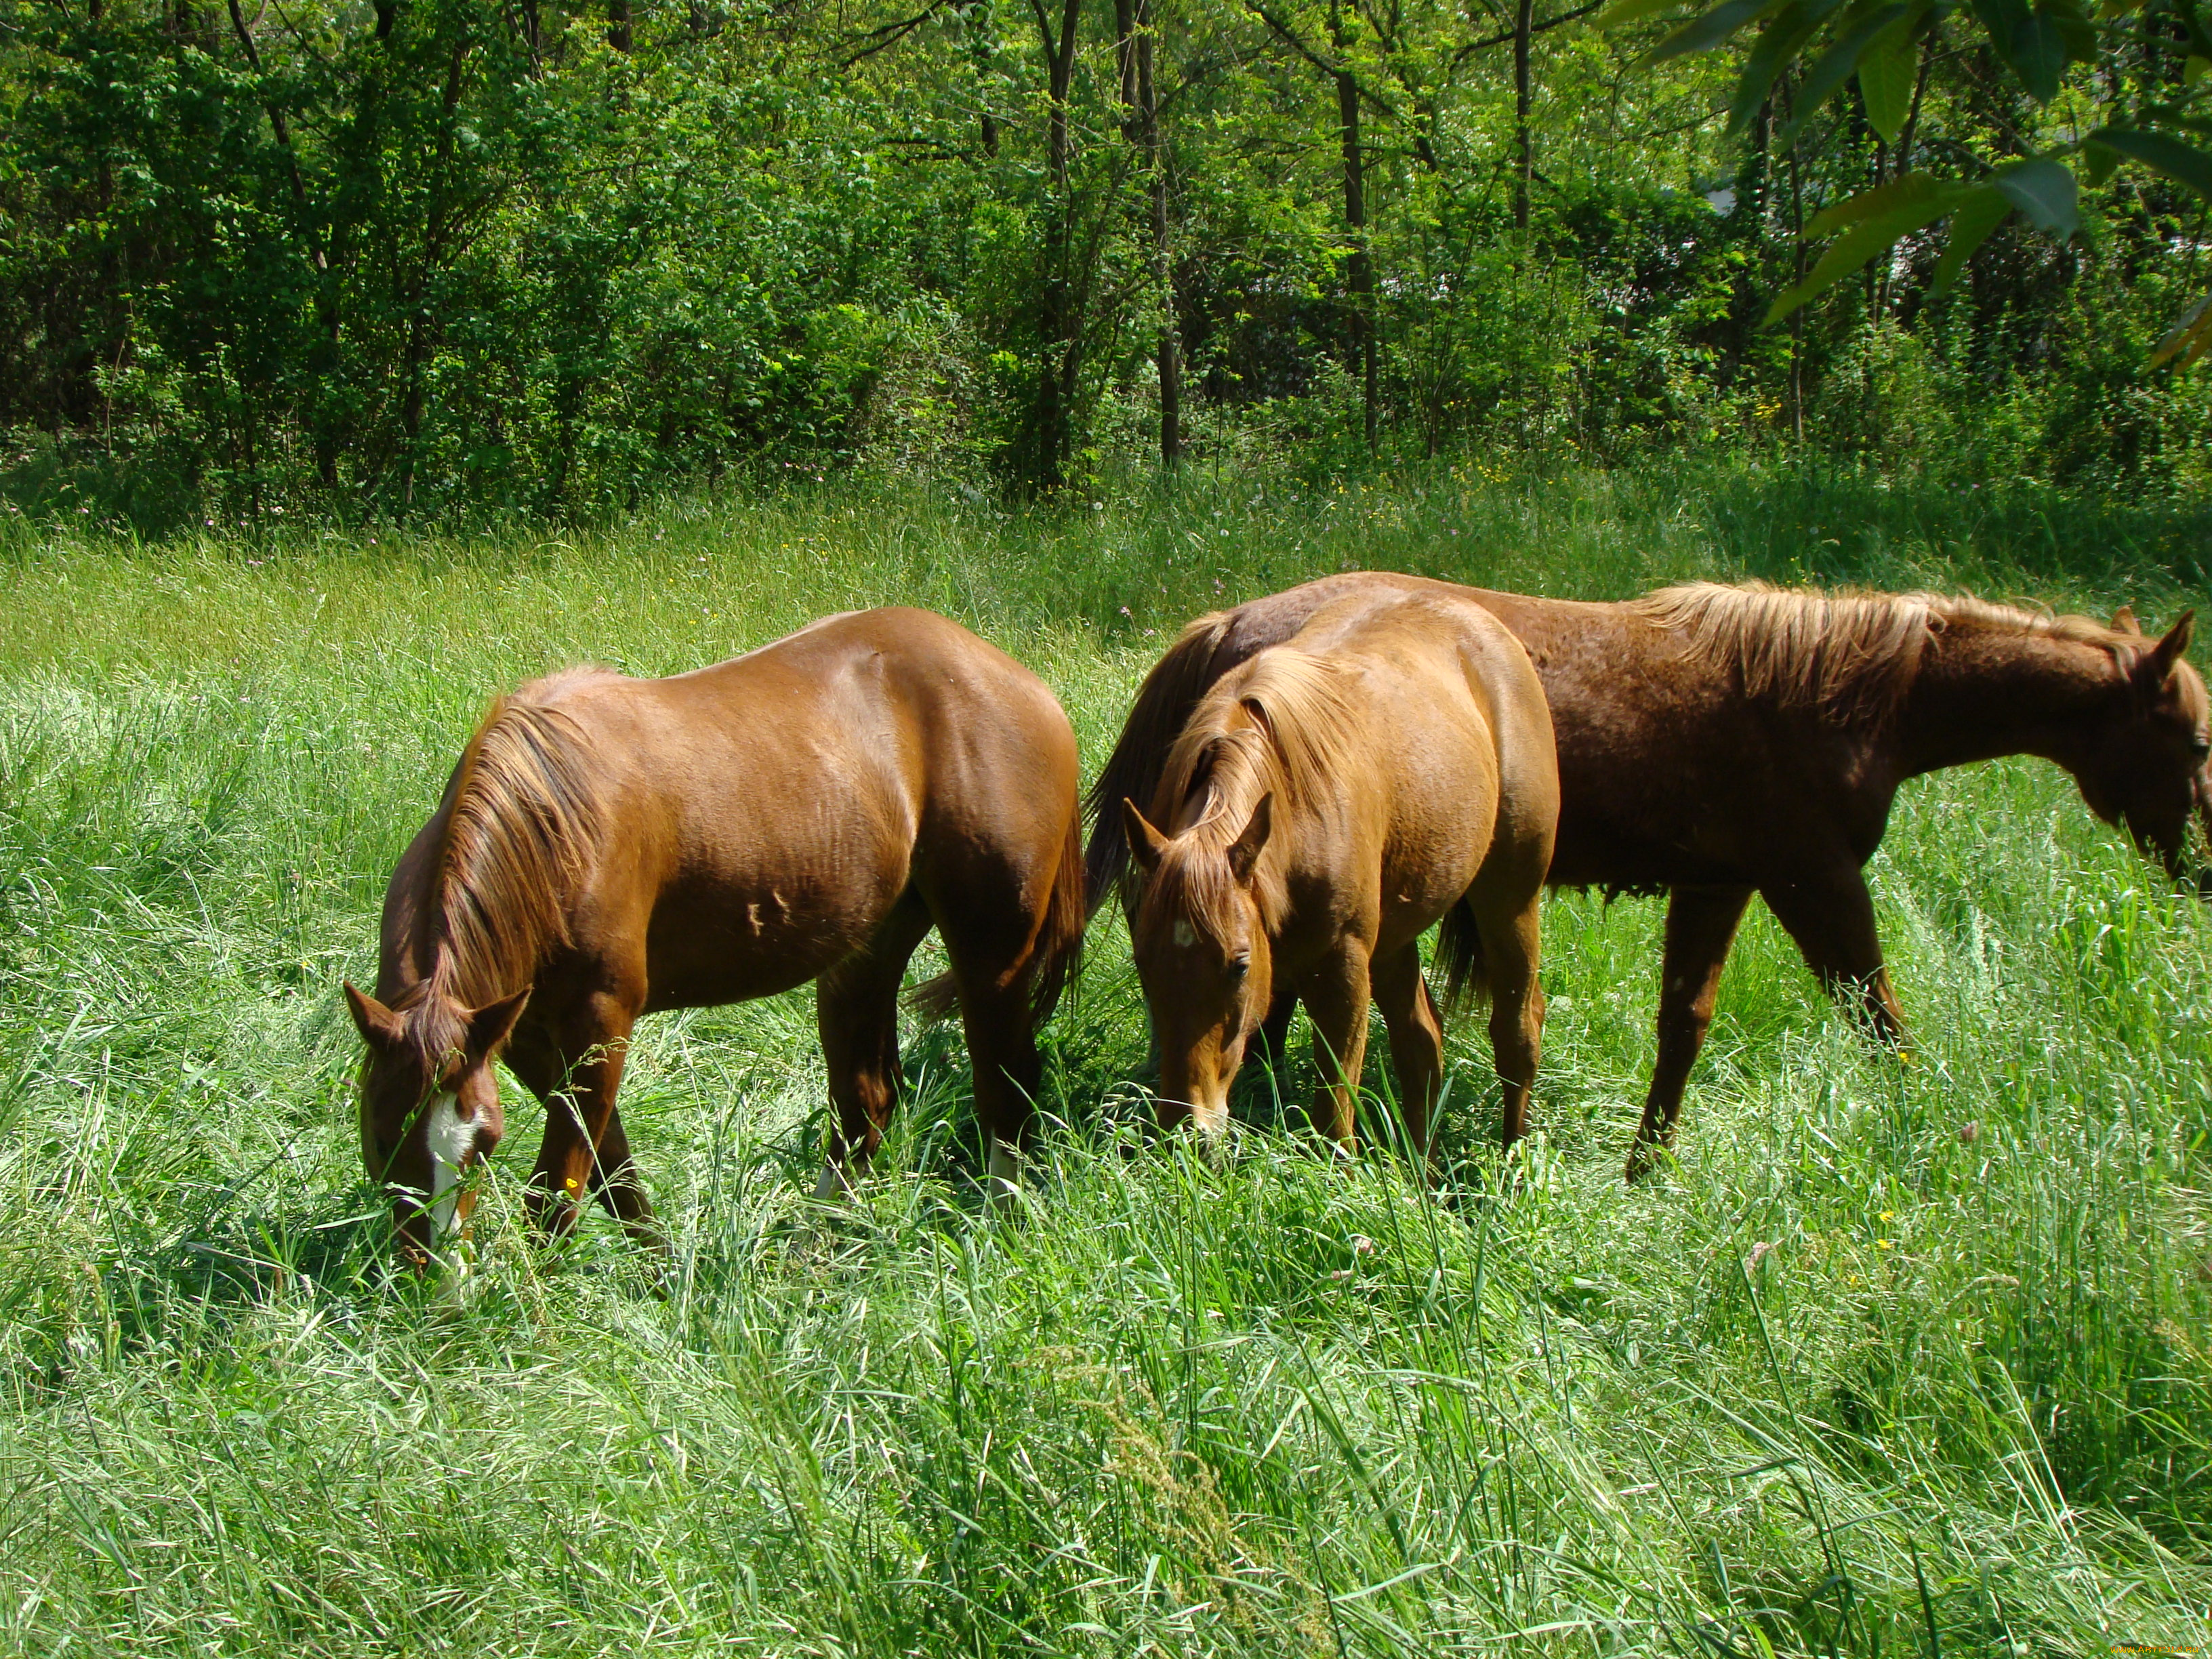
(1524, 155)
(619, 24)
(1797, 268)
(1133, 19)
(1056, 342)
(1361, 268)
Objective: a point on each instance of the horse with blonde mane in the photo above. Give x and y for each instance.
(1321, 806)
(1716, 742)
(609, 847)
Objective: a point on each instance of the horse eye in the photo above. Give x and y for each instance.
(1239, 966)
(2200, 746)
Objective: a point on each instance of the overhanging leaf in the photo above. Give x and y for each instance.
(1887, 69)
(2160, 153)
(1785, 33)
(2046, 192)
(1913, 189)
(1834, 66)
(1702, 34)
(2074, 28)
(2037, 52)
(1849, 251)
(2191, 335)
(2001, 17)
(1622, 12)
(1980, 212)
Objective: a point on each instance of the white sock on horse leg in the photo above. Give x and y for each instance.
(1004, 1182)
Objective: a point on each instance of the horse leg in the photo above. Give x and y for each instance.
(1336, 999)
(995, 1013)
(1275, 1031)
(1701, 923)
(1830, 914)
(616, 1184)
(1417, 1042)
(576, 1155)
(1512, 951)
(856, 1013)
(1002, 1047)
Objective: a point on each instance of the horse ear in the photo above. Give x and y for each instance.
(491, 1025)
(2157, 664)
(378, 1025)
(2123, 621)
(1145, 844)
(1244, 851)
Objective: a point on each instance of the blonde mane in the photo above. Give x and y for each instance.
(1852, 654)
(524, 814)
(1284, 717)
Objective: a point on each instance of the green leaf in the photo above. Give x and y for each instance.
(1913, 189)
(2161, 154)
(1851, 250)
(2191, 333)
(1622, 12)
(1887, 69)
(1978, 213)
(2046, 192)
(2200, 43)
(2037, 56)
(1702, 34)
(1778, 43)
(2074, 28)
(2001, 18)
(1834, 66)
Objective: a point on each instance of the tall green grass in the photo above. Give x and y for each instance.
(1902, 1359)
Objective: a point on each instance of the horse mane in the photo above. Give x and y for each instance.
(523, 812)
(1284, 712)
(1852, 654)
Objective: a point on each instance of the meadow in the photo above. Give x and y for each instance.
(1899, 1359)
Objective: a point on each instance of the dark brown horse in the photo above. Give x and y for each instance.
(608, 847)
(1324, 804)
(1716, 742)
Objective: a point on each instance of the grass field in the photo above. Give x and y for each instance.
(1902, 1359)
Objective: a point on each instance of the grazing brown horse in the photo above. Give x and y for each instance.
(1716, 742)
(608, 847)
(1323, 805)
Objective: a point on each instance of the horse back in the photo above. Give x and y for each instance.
(767, 813)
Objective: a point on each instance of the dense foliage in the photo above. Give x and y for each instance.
(431, 255)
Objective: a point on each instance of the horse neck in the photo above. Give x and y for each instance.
(451, 961)
(1983, 690)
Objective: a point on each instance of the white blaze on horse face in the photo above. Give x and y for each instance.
(1185, 934)
(451, 1138)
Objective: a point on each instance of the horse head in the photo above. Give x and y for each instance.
(430, 1105)
(1202, 955)
(2143, 766)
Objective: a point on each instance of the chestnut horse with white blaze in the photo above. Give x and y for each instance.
(1321, 806)
(609, 847)
(1715, 741)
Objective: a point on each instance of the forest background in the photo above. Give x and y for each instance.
(452, 260)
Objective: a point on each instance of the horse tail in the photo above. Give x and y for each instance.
(1155, 719)
(1054, 956)
(1459, 953)
(1059, 949)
